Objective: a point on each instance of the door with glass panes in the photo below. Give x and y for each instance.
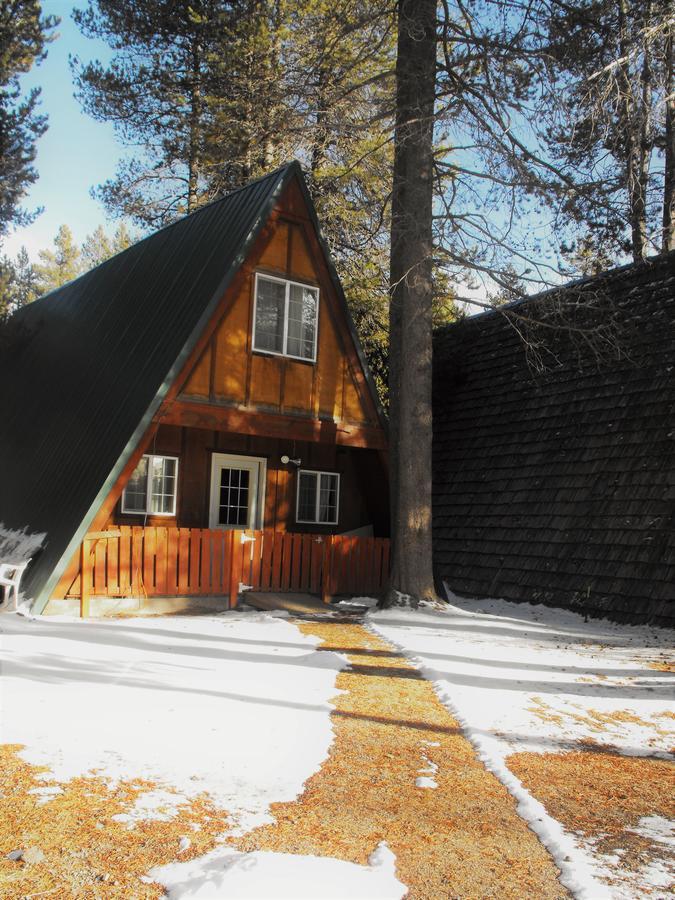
(237, 491)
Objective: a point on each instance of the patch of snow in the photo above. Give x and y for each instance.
(236, 705)
(24, 608)
(523, 678)
(45, 794)
(158, 805)
(657, 875)
(184, 844)
(17, 546)
(653, 878)
(358, 603)
(283, 876)
(430, 768)
(656, 828)
(424, 782)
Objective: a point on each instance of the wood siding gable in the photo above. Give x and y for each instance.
(228, 384)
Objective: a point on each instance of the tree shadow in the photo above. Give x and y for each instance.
(576, 689)
(132, 639)
(64, 629)
(491, 631)
(56, 669)
(541, 667)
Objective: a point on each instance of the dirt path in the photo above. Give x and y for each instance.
(460, 839)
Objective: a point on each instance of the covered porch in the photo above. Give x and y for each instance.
(202, 514)
(143, 563)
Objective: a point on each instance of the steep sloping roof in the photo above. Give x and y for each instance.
(560, 487)
(90, 363)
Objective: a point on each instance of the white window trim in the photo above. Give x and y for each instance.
(148, 490)
(316, 521)
(287, 283)
(258, 467)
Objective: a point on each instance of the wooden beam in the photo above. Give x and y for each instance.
(85, 575)
(327, 570)
(219, 417)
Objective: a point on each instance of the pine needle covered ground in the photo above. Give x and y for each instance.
(399, 768)
(606, 798)
(73, 846)
(460, 839)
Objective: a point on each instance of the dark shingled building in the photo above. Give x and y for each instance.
(559, 487)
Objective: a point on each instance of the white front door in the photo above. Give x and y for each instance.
(237, 491)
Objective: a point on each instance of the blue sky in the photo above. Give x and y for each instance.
(76, 152)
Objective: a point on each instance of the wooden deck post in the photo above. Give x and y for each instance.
(327, 570)
(85, 586)
(235, 567)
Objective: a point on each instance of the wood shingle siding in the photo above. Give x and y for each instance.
(559, 487)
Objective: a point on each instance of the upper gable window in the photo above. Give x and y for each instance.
(285, 317)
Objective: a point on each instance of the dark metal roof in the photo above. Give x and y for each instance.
(89, 364)
(560, 487)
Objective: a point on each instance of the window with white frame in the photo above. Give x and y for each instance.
(152, 487)
(285, 320)
(318, 497)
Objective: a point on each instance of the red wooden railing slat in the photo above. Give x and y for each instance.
(157, 561)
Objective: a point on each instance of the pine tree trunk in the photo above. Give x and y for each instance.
(195, 128)
(669, 176)
(320, 138)
(645, 131)
(273, 76)
(630, 123)
(410, 349)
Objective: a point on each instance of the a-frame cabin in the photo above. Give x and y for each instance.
(205, 383)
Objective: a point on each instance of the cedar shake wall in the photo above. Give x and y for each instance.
(560, 488)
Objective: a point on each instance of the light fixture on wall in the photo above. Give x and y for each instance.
(285, 460)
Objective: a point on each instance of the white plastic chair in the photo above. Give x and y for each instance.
(10, 578)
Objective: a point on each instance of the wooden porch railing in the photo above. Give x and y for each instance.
(164, 562)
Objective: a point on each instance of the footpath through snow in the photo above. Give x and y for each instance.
(534, 680)
(240, 754)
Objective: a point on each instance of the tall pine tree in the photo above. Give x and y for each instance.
(24, 33)
(412, 292)
(220, 92)
(155, 92)
(19, 283)
(99, 246)
(612, 121)
(60, 265)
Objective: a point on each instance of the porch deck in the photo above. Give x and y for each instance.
(154, 562)
(296, 604)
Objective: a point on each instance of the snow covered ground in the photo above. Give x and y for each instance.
(523, 678)
(236, 705)
(282, 876)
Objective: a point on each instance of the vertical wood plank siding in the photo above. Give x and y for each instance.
(167, 561)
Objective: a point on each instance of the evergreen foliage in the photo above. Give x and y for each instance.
(220, 92)
(156, 93)
(99, 246)
(611, 76)
(24, 34)
(61, 264)
(22, 281)
(18, 283)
